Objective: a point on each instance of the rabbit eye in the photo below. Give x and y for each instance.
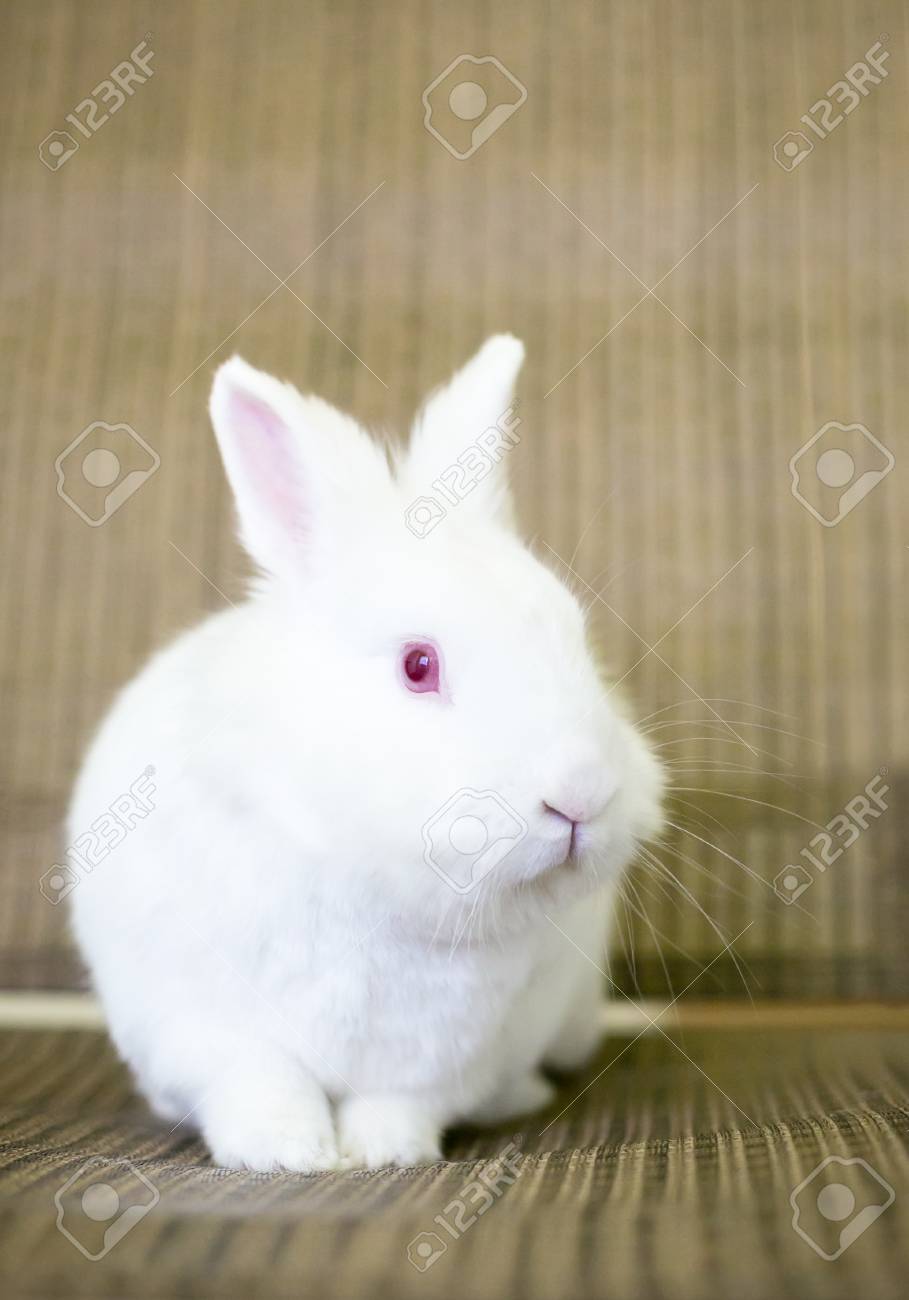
(420, 667)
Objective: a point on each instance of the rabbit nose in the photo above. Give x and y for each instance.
(583, 797)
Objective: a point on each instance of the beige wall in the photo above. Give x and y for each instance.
(661, 459)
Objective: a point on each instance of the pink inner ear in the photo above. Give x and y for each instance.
(264, 448)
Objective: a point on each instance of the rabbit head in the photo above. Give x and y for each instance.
(438, 729)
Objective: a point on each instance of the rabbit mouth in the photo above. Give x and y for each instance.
(564, 860)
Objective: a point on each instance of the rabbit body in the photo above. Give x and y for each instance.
(287, 958)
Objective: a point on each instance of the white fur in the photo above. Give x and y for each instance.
(278, 964)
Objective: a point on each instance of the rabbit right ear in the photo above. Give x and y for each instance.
(472, 414)
(299, 469)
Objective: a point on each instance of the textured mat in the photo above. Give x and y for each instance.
(278, 140)
(656, 1174)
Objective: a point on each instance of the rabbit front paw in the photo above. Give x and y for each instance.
(520, 1096)
(375, 1132)
(579, 1037)
(267, 1130)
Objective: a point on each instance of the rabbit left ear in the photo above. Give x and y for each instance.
(470, 423)
(301, 472)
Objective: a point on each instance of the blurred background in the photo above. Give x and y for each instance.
(694, 216)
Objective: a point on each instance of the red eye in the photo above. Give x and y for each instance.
(420, 666)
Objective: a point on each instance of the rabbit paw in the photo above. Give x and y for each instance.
(269, 1132)
(376, 1132)
(519, 1096)
(578, 1039)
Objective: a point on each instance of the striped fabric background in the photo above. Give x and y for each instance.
(658, 428)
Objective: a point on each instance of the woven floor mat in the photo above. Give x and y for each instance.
(666, 1170)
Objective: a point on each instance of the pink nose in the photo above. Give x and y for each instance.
(569, 817)
(584, 798)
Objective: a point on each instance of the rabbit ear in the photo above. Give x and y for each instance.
(466, 428)
(295, 464)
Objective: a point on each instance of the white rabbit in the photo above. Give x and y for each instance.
(393, 797)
